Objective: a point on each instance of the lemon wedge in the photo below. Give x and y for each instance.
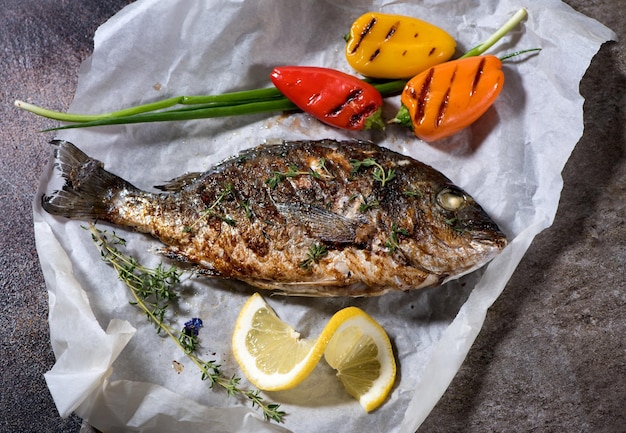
(270, 352)
(273, 357)
(361, 352)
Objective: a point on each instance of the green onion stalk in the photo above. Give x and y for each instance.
(239, 103)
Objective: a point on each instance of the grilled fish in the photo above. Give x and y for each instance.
(317, 218)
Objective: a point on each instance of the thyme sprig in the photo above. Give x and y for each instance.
(209, 212)
(278, 176)
(152, 289)
(366, 205)
(412, 193)
(322, 170)
(456, 225)
(314, 255)
(245, 205)
(379, 173)
(394, 241)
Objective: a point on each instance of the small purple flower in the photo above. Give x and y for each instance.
(192, 327)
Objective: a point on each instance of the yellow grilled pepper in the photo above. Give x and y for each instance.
(395, 46)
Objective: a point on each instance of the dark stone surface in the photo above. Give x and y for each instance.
(552, 354)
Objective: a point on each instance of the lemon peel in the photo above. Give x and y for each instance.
(273, 357)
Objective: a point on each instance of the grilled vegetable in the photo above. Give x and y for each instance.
(333, 97)
(240, 103)
(449, 97)
(395, 46)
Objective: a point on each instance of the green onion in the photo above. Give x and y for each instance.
(193, 107)
(204, 112)
(520, 15)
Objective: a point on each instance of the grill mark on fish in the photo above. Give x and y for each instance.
(268, 242)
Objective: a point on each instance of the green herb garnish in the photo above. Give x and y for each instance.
(366, 205)
(315, 253)
(228, 189)
(245, 205)
(279, 176)
(456, 225)
(152, 289)
(394, 242)
(379, 174)
(412, 193)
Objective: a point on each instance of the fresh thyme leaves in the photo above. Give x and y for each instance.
(379, 173)
(245, 205)
(382, 176)
(211, 372)
(366, 205)
(394, 242)
(270, 411)
(321, 169)
(412, 193)
(152, 289)
(456, 225)
(450, 221)
(278, 176)
(315, 253)
(356, 164)
(210, 212)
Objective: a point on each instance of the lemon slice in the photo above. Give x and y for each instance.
(270, 352)
(361, 352)
(273, 357)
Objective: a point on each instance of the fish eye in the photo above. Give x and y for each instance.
(451, 200)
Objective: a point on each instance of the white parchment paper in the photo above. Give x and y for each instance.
(114, 371)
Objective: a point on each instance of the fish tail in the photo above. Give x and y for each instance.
(89, 189)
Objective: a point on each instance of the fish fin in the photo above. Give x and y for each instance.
(321, 223)
(315, 289)
(185, 261)
(179, 182)
(88, 186)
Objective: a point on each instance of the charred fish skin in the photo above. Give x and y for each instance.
(316, 218)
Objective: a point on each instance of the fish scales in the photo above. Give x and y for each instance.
(316, 218)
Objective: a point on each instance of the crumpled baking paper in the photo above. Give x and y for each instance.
(113, 369)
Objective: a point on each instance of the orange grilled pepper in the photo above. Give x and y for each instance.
(395, 46)
(451, 96)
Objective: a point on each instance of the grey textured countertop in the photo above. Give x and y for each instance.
(552, 354)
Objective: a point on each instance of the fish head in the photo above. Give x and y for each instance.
(452, 235)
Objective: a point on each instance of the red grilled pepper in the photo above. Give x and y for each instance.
(333, 97)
